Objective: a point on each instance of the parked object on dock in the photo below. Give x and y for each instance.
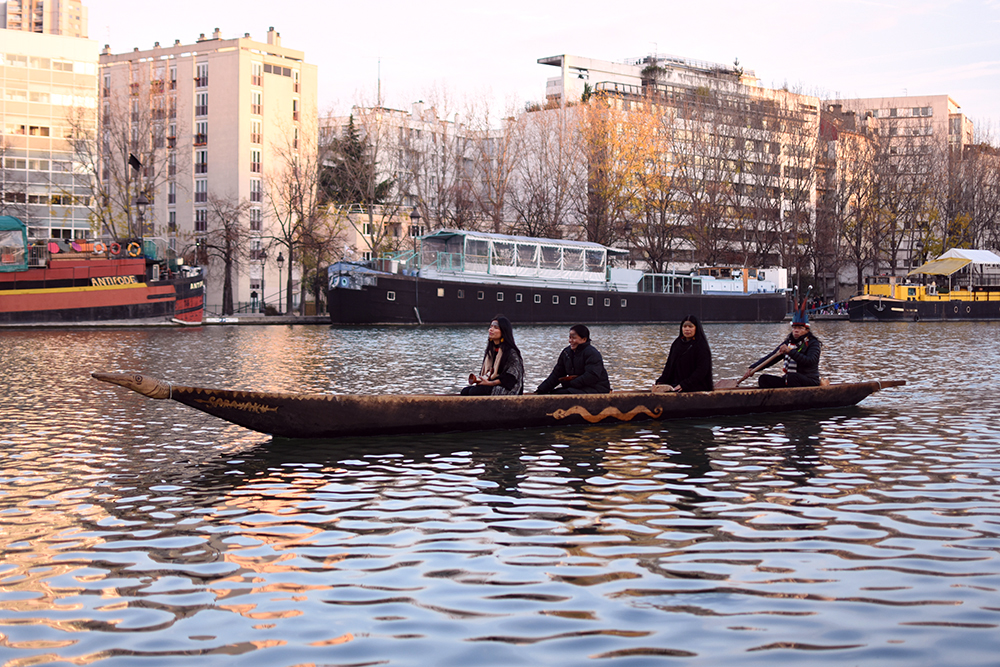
(291, 415)
(464, 277)
(90, 281)
(959, 285)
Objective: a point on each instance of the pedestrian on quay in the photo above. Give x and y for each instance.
(689, 364)
(579, 369)
(502, 372)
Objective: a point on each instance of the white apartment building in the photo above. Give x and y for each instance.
(52, 17)
(916, 118)
(426, 156)
(232, 113)
(44, 80)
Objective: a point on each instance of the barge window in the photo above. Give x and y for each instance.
(391, 296)
(499, 296)
(572, 301)
(624, 303)
(440, 291)
(538, 298)
(480, 295)
(607, 302)
(461, 294)
(518, 297)
(555, 299)
(590, 301)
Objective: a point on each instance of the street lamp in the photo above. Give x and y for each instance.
(281, 263)
(263, 294)
(141, 202)
(414, 226)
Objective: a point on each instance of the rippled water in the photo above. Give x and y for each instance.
(136, 531)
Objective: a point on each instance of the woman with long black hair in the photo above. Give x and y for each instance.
(503, 370)
(689, 364)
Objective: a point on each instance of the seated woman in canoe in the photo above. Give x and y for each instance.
(689, 364)
(503, 370)
(579, 369)
(800, 351)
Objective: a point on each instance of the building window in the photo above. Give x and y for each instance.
(518, 297)
(555, 300)
(201, 133)
(172, 222)
(607, 302)
(255, 133)
(171, 193)
(201, 162)
(480, 295)
(461, 294)
(255, 161)
(538, 298)
(256, 74)
(255, 219)
(173, 78)
(624, 303)
(572, 301)
(201, 190)
(499, 296)
(201, 75)
(390, 295)
(201, 220)
(440, 292)
(256, 102)
(295, 109)
(295, 81)
(256, 191)
(201, 104)
(590, 301)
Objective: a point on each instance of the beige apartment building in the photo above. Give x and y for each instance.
(45, 80)
(915, 119)
(51, 17)
(231, 116)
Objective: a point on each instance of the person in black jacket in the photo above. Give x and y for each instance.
(579, 369)
(800, 351)
(689, 364)
(502, 371)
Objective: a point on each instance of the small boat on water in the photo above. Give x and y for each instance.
(290, 415)
(465, 277)
(959, 285)
(63, 282)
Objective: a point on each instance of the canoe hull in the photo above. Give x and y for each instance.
(333, 416)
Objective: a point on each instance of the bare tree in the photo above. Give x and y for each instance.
(547, 170)
(495, 156)
(226, 242)
(126, 153)
(13, 184)
(293, 192)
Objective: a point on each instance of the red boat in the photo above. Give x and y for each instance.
(80, 282)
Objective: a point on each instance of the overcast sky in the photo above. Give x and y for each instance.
(845, 48)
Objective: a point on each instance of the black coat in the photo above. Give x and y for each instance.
(803, 358)
(586, 364)
(689, 365)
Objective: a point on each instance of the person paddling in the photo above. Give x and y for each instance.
(800, 350)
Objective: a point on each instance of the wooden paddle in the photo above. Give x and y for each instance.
(731, 383)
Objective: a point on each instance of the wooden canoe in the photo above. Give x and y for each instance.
(332, 416)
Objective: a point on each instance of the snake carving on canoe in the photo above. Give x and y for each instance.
(607, 412)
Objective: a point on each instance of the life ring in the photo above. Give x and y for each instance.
(130, 251)
(116, 248)
(100, 248)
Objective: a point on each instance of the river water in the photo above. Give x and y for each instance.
(136, 531)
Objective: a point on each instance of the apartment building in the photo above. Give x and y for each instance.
(51, 17)
(227, 117)
(915, 119)
(428, 159)
(48, 84)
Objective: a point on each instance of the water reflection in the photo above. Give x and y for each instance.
(137, 528)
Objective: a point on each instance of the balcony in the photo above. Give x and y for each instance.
(201, 196)
(201, 110)
(200, 139)
(256, 195)
(201, 167)
(171, 142)
(255, 138)
(295, 115)
(256, 80)
(255, 167)
(201, 81)
(256, 109)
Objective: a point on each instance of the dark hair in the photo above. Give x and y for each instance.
(581, 330)
(699, 331)
(506, 333)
